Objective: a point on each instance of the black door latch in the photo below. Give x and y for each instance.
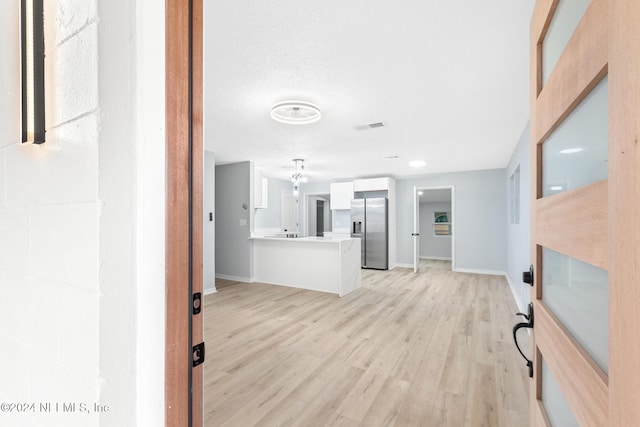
(197, 302)
(198, 354)
(527, 276)
(527, 324)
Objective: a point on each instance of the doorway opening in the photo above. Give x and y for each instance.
(317, 214)
(433, 228)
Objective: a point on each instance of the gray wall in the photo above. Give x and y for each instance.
(272, 216)
(433, 246)
(519, 235)
(479, 218)
(233, 248)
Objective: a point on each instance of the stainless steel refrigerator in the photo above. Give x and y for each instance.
(369, 218)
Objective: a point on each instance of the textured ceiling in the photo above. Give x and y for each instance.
(450, 80)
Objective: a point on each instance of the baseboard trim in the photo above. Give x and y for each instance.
(402, 265)
(437, 258)
(477, 271)
(513, 292)
(209, 291)
(234, 278)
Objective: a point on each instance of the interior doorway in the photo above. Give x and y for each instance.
(433, 226)
(317, 214)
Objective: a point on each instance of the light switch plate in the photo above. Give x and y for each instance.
(243, 221)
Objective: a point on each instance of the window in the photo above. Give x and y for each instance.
(441, 224)
(514, 197)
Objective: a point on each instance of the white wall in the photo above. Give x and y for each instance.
(433, 247)
(341, 221)
(50, 223)
(82, 218)
(270, 219)
(519, 235)
(150, 203)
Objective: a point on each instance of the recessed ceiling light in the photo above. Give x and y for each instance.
(295, 112)
(571, 150)
(417, 163)
(556, 188)
(420, 193)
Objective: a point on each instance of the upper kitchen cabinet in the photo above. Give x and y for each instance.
(260, 191)
(372, 184)
(341, 195)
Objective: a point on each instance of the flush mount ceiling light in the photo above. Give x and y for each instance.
(32, 59)
(295, 112)
(417, 163)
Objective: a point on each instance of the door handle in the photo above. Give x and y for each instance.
(527, 324)
(415, 234)
(527, 276)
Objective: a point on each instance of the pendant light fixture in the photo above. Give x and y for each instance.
(298, 177)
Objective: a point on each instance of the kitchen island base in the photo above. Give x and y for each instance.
(314, 263)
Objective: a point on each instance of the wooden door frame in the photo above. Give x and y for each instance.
(624, 207)
(184, 167)
(605, 41)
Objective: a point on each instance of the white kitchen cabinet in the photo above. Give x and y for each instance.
(371, 184)
(341, 195)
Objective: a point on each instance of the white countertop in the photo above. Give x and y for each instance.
(317, 239)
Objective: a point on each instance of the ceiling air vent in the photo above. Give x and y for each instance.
(370, 126)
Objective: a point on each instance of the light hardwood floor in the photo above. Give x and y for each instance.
(426, 349)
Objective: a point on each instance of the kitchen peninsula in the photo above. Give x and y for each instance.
(327, 264)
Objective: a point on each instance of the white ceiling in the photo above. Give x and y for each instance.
(450, 79)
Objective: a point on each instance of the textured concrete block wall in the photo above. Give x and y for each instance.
(49, 223)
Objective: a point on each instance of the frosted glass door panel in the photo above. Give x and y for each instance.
(555, 404)
(576, 153)
(563, 24)
(577, 293)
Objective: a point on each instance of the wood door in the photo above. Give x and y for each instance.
(585, 239)
(184, 227)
